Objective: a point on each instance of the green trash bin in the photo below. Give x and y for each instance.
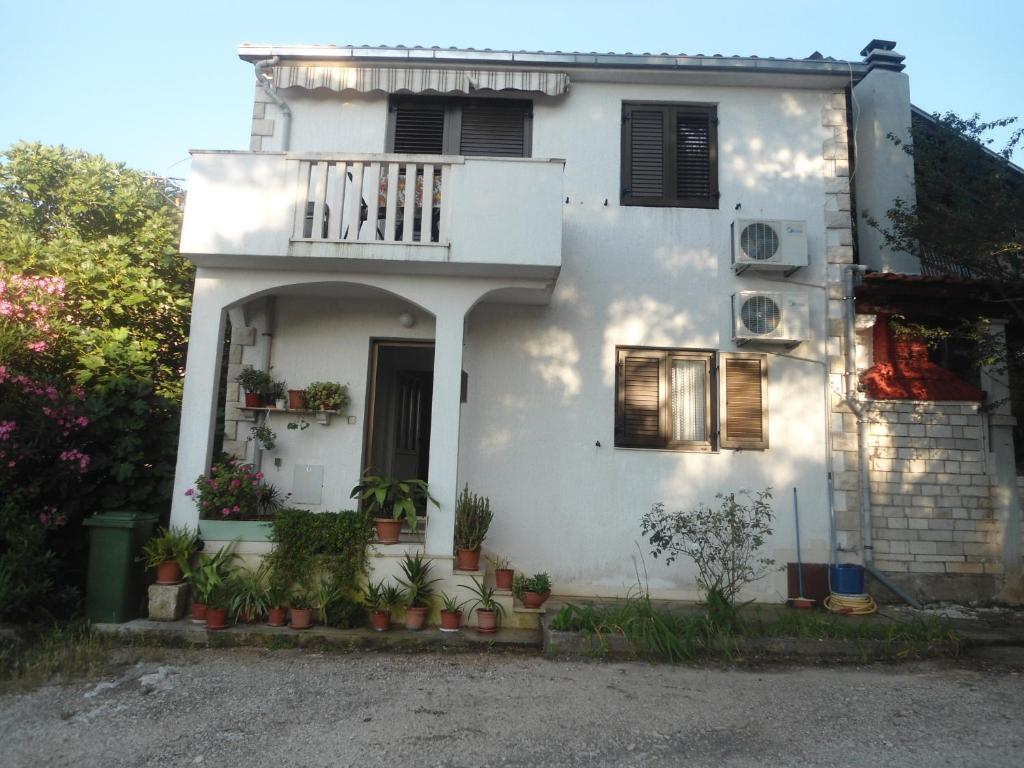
(117, 577)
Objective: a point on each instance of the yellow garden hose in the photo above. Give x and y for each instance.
(856, 605)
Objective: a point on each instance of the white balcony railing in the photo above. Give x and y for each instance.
(351, 199)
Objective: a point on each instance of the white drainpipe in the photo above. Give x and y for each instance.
(864, 452)
(266, 84)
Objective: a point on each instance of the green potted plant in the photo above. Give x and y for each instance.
(250, 593)
(488, 610)
(419, 589)
(168, 552)
(234, 491)
(382, 599)
(209, 573)
(277, 601)
(533, 590)
(300, 606)
(218, 605)
(253, 382)
(451, 613)
(472, 520)
(277, 393)
(391, 502)
(327, 396)
(503, 573)
(263, 436)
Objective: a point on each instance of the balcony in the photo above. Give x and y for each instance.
(413, 214)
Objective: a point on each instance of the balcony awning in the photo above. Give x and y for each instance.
(416, 80)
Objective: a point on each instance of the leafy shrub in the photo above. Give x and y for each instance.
(327, 396)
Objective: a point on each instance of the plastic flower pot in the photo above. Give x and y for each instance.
(486, 622)
(168, 572)
(216, 618)
(296, 399)
(199, 613)
(467, 559)
(277, 617)
(450, 621)
(253, 400)
(416, 617)
(535, 599)
(380, 621)
(302, 618)
(387, 530)
(503, 578)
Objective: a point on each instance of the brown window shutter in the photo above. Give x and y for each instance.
(743, 382)
(419, 127)
(696, 164)
(639, 384)
(644, 153)
(494, 128)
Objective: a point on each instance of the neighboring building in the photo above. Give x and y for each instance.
(624, 284)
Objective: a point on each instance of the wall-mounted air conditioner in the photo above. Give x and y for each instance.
(770, 317)
(769, 244)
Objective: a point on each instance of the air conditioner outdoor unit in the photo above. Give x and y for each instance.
(768, 244)
(770, 317)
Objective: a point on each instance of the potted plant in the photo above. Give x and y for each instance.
(419, 589)
(277, 601)
(296, 399)
(472, 520)
(253, 383)
(209, 573)
(532, 591)
(382, 599)
(390, 502)
(503, 572)
(168, 552)
(301, 607)
(263, 436)
(234, 491)
(277, 393)
(488, 610)
(327, 396)
(250, 593)
(451, 613)
(218, 604)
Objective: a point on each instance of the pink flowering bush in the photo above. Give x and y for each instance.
(234, 491)
(29, 306)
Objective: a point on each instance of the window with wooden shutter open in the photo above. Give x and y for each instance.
(669, 155)
(743, 383)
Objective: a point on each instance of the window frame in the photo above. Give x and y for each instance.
(452, 134)
(670, 111)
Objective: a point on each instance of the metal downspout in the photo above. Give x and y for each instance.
(264, 349)
(264, 81)
(863, 450)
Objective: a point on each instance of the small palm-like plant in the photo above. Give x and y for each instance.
(484, 598)
(419, 587)
(250, 589)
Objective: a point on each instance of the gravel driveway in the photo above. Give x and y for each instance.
(245, 707)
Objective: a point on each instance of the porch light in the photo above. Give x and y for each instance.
(407, 319)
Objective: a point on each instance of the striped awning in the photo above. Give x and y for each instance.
(410, 80)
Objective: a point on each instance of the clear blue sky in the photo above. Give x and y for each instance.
(143, 82)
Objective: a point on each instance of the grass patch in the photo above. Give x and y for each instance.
(656, 632)
(53, 654)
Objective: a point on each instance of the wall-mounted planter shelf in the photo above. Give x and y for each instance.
(322, 417)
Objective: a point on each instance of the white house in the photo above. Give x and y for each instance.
(630, 284)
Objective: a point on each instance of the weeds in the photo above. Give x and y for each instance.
(58, 653)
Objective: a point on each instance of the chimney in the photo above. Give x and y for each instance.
(881, 54)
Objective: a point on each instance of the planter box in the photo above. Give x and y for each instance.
(226, 530)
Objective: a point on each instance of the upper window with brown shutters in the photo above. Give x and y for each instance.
(421, 125)
(669, 155)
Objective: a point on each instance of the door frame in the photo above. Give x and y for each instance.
(376, 344)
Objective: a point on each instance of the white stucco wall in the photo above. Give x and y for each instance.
(541, 378)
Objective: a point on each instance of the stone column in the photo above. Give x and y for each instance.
(199, 401)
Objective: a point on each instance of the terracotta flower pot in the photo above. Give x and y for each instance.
(486, 622)
(380, 621)
(216, 618)
(467, 559)
(416, 617)
(253, 400)
(168, 572)
(535, 599)
(296, 399)
(503, 578)
(245, 618)
(277, 617)
(387, 529)
(451, 621)
(199, 613)
(302, 618)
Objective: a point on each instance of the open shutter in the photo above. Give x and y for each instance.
(419, 128)
(643, 155)
(494, 128)
(696, 162)
(639, 384)
(743, 382)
